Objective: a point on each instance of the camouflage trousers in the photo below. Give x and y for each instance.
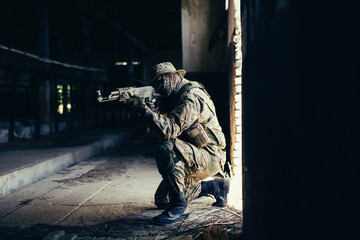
(183, 166)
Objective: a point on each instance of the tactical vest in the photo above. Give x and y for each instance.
(198, 133)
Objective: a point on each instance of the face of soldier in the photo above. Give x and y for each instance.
(166, 84)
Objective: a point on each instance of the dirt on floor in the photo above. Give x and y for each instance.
(202, 221)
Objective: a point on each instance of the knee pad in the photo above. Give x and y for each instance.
(164, 156)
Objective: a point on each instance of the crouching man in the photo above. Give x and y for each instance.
(191, 143)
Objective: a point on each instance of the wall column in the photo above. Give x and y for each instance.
(199, 21)
(45, 86)
(235, 102)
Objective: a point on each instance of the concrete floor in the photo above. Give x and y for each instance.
(109, 196)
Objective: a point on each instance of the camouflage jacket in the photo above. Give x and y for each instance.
(194, 105)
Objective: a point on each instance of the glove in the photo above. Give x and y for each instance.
(135, 103)
(152, 104)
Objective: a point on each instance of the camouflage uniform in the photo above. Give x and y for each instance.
(177, 158)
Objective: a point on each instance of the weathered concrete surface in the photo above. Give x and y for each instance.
(21, 167)
(109, 196)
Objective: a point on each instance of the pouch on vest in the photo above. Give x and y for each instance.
(196, 135)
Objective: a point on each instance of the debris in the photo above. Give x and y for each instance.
(54, 235)
(187, 237)
(215, 233)
(68, 237)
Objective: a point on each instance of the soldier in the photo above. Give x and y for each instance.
(191, 143)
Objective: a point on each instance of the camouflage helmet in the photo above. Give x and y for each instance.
(164, 67)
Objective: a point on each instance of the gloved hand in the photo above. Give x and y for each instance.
(135, 103)
(151, 104)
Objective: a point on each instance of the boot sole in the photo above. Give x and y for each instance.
(167, 222)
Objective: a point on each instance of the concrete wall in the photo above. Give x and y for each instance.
(199, 21)
(301, 119)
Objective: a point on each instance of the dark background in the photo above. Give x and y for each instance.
(301, 119)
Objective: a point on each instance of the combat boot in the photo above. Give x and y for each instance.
(219, 188)
(175, 212)
(162, 196)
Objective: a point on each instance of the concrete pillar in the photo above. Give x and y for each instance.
(235, 102)
(199, 21)
(44, 84)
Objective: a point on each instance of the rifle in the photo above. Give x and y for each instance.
(121, 94)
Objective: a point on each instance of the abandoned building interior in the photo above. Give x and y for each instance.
(284, 78)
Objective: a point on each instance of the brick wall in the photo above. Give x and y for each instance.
(235, 102)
